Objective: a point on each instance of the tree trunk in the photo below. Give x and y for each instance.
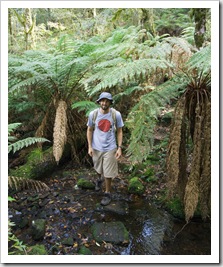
(200, 26)
(94, 12)
(48, 18)
(10, 26)
(151, 22)
(143, 17)
(29, 23)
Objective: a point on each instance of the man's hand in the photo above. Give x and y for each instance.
(90, 151)
(118, 153)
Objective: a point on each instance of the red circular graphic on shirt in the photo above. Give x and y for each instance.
(104, 125)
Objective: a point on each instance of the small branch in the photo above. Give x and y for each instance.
(180, 230)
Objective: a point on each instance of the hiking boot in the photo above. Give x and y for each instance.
(98, 185)
(106, 199)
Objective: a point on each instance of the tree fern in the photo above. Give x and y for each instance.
(191, 122)
(51, 77)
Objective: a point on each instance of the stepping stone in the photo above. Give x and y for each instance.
(111, 232)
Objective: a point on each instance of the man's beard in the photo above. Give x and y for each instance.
(105, 107)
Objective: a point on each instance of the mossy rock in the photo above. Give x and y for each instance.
(84, 251)
(38, 229)
(135, 186)
(174, 206)
(112, 232)
(85, 183)
(37, 250)
(38, 164)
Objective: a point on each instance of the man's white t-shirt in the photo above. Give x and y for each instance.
(104, 138)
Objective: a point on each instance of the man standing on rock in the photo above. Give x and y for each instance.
(103, 125)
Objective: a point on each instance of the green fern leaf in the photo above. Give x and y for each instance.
(201, 59)
(126, 72)
(87, 106)
(142, 119)
(13, 126)
(25, 143)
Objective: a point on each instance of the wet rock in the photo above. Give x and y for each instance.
(119, 207)
(38, 229)
(111, 232)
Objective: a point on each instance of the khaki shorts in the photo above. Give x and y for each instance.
(105, 163)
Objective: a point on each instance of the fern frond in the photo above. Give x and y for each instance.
(180, 42)
(65, 44)
(145, 113)
(13, 126)
(29, 81)
(37, 55)
(188, 34)
(129, 91)
(19, 184)
(109, 63)
(141, 139)
(122, 35)
(25, 143)
(160, 51)
(125, 73)
(12, 139)
(83, 48)
(86, 106)
(201, 60)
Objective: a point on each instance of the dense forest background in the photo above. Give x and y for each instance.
(151, 60)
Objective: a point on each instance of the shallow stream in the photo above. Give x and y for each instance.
(70, 212)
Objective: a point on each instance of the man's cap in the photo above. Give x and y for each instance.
(105, 95)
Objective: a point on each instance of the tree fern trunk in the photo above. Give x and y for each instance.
(60, 130)
(182, 181)
(205, 180)
(173, 153)
(192, 187)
